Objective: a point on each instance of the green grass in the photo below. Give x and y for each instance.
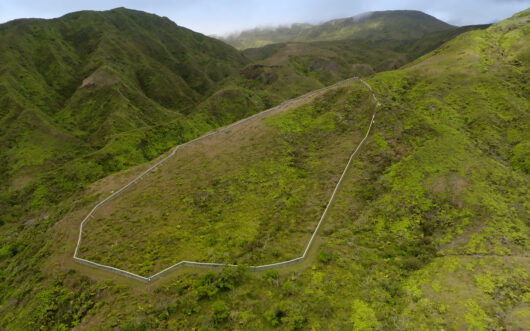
(261, 188)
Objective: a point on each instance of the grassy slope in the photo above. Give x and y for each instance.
(429, 234)
(433, 40)
(442, 185)
(375, 26)
(329, 61)
(261, 187)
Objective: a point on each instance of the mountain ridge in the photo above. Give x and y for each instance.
(374, 26)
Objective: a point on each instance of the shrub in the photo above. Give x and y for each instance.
(226, 279)
(273, 277)
(295, 320)
(324, 257)
(363, 317)
(271, 317)
(220, 312)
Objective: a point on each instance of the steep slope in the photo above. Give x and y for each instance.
(329, 61)
(439, 202)
(98, 83)
(433, 40)
(430, 231)
(374, 26)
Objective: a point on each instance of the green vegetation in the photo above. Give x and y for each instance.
(91, 93)
(332, 60)
(433, 40)
(261, 189)
(376, 26)
(429, 231)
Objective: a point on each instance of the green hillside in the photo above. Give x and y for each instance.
(329, 61)
(429, 230)
(261, 187)
(92, 93)
(433, 40)
(375, 26)
(82, 95)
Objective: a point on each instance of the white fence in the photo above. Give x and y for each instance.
(223, 265)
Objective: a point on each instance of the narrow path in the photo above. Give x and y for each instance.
(215, 132)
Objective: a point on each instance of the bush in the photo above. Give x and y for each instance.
(271, 317)
(273, 277)
(135, 327)
(226, 279)
(295, 320)
(324, 257)
(363, 317)
(220, 312)
(288, 288)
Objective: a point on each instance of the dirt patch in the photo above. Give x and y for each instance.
(99, 78)
(518, 318)
(451, 183)
(457, 184)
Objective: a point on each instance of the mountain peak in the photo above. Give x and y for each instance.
(374, 26)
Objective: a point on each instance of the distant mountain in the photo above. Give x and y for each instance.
(374, 26)
(328, 61)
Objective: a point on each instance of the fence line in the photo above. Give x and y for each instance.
(223, 265)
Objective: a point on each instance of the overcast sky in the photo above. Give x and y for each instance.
(224, 16)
